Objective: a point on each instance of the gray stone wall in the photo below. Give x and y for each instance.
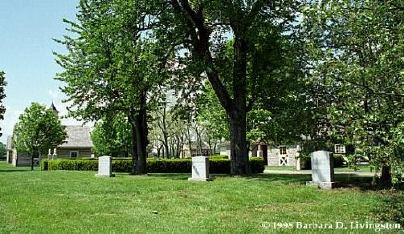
(274, 156)
(65, 152)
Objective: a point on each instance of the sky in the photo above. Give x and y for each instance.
(27, 28)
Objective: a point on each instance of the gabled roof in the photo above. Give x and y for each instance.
(77, 137)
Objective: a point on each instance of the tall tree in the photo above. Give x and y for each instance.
(112, 66)
(38, 130)
(356, 54)
(3, 83)
(256, 31)
(112, 136)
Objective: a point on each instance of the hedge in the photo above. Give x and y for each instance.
(216, 166)
(338, 161)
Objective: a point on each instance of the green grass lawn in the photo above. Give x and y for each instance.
(79, 202)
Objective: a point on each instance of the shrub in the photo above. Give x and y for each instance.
(217, 166)
(338, 160)
(218, 156)
(44, 165)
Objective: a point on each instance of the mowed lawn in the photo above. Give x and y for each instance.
(79, 202)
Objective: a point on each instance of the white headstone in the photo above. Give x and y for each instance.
(322, 170)
(105, 166)
(200, 168)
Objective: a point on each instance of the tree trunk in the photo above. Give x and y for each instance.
(264, 149)
(134, 148)
(236, 107)
(141, 136)
(239, 164)
(189, 140)
(385, 178)
(32, 162)
(238, 113)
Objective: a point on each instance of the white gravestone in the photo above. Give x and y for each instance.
(322, 170)
(200, 168)
(105, 166)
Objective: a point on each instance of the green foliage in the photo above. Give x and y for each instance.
(38, 130)
(356, 52)
(241, 48)
(3, 150)
(112, 136)
(3, 83)
(44, 165)
(219, 166)
(211, 115)
(113, 66)
(338, 160)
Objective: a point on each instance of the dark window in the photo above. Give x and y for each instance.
(74, 154)
(282, 150)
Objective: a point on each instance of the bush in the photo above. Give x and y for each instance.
(44, 165)
(338, 160)
(218, 156)
(216, 166)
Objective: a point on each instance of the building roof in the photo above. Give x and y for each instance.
(77, 137)
(53, 108)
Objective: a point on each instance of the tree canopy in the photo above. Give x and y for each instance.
(112, 66)
(356, 53)
(38, 129)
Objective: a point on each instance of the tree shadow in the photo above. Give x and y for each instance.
(17, 170)
(392, 207)
(171, 176)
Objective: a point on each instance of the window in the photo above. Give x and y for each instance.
(74, 154)
(282, 150)
(339, 149)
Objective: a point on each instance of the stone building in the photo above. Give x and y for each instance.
(280, 155)
(78, 144)
(283, 155)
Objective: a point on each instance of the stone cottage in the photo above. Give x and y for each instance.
(279, 155)
(283, 155)
(78, 144)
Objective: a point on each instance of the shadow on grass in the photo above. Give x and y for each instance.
(392, 207)
(344, 181)
(16, 170)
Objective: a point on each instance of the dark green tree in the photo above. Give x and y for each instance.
(112, 136)
(38, 129)
(355, 53)
(3, 150)
(112, 65)
(258, 33)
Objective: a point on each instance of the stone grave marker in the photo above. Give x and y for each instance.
(322, 170)
(105, 166)
(200, 169)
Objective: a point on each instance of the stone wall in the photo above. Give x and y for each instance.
(65, 152)
(274, 156)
